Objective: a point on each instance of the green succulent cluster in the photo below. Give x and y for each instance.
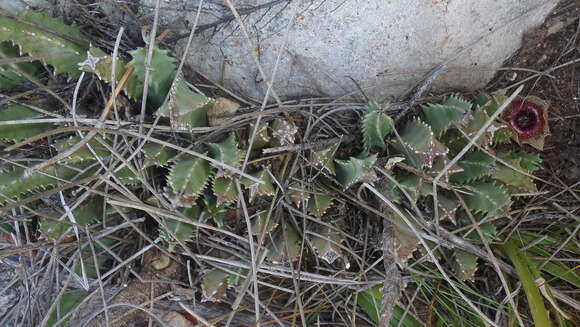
(203, 190)
(486, 177)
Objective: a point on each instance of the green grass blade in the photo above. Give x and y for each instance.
(535, 300)
(369, 301)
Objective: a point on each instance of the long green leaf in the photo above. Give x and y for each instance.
(83, 153)
(41, 35)
(555, 268)
(10, 77)
(567, 274)
(18, 181)
(533, 295)
(547, 240)
(19, 132)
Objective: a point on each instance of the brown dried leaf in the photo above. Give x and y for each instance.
(404, 242)
(221, 108)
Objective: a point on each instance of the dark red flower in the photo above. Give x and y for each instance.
(526, 119)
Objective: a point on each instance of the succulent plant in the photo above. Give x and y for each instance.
(214, 285)
(263, 223)
(188, 177)
(18, 180)
(284, 131)
(157, 154)
(225, 190)
(327, 245)
(486, 176)
(10, 76)
(160, 79)
(441, 116)
(419, 145)
(101, 64)
(324, 159)
(61, 46)
(266, 188)
(228, 153)
(185, 108)
(263, 137)
(355, 170)
(286, 246)
(318, 204)
(375, 126)
(19, 132)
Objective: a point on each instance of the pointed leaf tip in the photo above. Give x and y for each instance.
(375, 125)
